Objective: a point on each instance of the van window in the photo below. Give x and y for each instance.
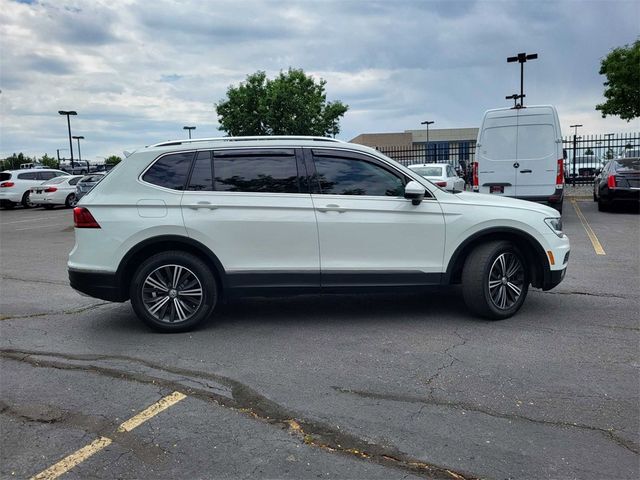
(536, 141)
(499, 143)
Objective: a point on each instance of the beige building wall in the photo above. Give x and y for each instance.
(384, 139)
(408, 138)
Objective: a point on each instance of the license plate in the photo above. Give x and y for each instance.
(496, 189)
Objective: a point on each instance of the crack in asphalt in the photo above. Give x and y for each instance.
(63, 312)
(608, 433)
(445, 365)
(34, 280)
(589, 294)
(97, 425)
(249, 402)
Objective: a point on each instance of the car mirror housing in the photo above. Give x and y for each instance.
(414, 191)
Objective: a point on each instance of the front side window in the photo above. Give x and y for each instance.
(46, 175)
(261, 172)
(55, 181)
(348, 176)
(170, 171)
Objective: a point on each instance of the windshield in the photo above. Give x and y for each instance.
(428, 171)
(630, 165)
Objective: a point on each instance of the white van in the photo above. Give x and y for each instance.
(519, 154)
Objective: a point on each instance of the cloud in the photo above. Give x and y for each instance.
(137, 71)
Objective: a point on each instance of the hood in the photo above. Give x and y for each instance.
(507, 202)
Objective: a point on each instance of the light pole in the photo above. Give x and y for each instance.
(575, 138)
(189, 129)
(522, 59)
(67, 113)
(427, 123)
(58, 152)
(78, 139)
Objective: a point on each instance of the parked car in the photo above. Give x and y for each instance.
(630, 153)
(80, 167)
(181, 224)
(587, 166)
(57, 191)
(441, 174)
(86, 183)
(520, 155)
(15, 185)
(618, 182)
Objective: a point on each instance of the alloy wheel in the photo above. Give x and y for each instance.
(172, 293)
(506, 280)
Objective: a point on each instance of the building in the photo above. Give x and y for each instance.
(445, 145)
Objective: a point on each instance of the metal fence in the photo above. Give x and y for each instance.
(590, 152)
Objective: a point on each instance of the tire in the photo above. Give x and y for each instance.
(602, 205)
(70, 201)
(26, 200)
(154, 280)
(47, 207)
(500, 300)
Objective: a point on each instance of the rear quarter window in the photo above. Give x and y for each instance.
(170, 171)
(5, 177)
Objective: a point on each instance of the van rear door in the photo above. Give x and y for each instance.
(497, 153)
(537, 153)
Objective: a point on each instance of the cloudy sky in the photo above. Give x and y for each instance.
(138, 71)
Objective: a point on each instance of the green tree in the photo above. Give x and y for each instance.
(588, 152)
(290, 104)
(112, 160)
(622, 92)
(14, 161)
(48, 161)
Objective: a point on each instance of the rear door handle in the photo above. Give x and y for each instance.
(196, 206)
(526, 171)
(332, 207)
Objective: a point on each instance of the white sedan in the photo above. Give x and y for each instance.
(441, 174)
(57, 191)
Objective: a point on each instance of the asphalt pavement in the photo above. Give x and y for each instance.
(388, 386)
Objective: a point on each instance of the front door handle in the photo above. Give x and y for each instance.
(526, 171)
(332, 207)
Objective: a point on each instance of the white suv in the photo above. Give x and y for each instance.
(180, 224)
(15, 185)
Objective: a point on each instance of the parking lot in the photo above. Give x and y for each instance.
(390, 386)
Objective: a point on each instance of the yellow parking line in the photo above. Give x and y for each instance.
(85, 452)
(587, 228)
(151, 411)
(67, 463)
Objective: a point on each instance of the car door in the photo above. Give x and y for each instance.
(369, 234)
(252, 208)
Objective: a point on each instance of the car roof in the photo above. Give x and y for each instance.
(291, 141)
(24, 170)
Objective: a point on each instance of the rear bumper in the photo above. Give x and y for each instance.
(104, 286)
(557, 197)
(623, 195)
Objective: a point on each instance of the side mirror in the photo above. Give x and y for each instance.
(414, 191)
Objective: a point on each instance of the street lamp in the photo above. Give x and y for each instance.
(189, 129)
(522, 59)
(575, 139)
(427, 123)
(78, 139)
(67, 113)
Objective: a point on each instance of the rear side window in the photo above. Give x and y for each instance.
(5, 177)
(170, 171)
(46, 175)
(73, 181)
(27, 176)
(260, 172)
(201, 175)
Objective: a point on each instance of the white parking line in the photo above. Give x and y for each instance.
(41, 226)
(37, 218)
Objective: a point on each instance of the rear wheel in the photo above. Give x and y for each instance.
(495, 280)
(26, 200)
(70, 201)
(173, 291)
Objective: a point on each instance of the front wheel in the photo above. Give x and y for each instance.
(173, 291)
(495, 280)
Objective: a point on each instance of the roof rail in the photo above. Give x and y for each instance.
(242, 139)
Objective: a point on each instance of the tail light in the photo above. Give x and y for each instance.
(611, 181)
(441, 184)
(6, 184)
(50, 189)
(560, 174)
(82, 218)
(475, 176)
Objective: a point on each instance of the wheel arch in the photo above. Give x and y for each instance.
(162, 243)
(535, 255)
